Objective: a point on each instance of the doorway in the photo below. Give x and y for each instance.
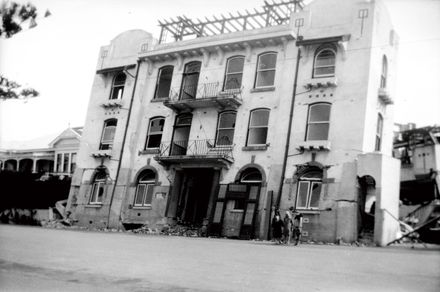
(195, 191)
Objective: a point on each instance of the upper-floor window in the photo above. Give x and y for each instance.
(384, 73)
(325, 62)
(118, 86)
(234, 73)
(163, 83)
(98, 187)
(266, 70)
(190, 80)
(379, 127)
(155, 130)
(318, 122)
(144, 188)
(225, 129)
(309, 190)
(258, 127)
(108, 134)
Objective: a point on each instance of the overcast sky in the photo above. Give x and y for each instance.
(59, 56)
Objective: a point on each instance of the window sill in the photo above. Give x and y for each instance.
(263, 89)
(316, 145)
(93, 205)
(162, 99)
(101, 153)
(112, 103)
(308, 211)
(321, 82)
(141, 207)
(255, 148)
(149, 151)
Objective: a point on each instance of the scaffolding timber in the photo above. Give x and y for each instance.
(270, 14)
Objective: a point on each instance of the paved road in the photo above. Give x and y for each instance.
(37, 259)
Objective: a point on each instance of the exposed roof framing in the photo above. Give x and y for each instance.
(270, 14)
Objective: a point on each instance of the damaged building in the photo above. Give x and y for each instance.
(221, 121)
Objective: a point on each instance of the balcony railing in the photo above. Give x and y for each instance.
(202, 95)
(194, 150)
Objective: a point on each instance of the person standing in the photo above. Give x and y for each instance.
(288, 227)
(297, 227)
(277, 227)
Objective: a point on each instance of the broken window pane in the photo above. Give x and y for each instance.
(118, 86)
(140, 191)
(149, 194)
(315, 193)
(303, 189)
(164, 82)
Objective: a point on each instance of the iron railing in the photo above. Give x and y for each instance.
(202, 90)
(195, 148)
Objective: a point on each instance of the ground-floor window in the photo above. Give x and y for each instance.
(144, 188)
(309, 190)
(98, 187)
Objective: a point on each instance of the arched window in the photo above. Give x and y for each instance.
(163, 84)
(118, 86)
(98, 187)
(258, 127)
(266, 70)
(108, 134)
(225, 129)
(325, 62)
(190, 80)
(379, 127)
(309, 190)
(318, 122)
(145, 188)
(155, 130)
(251, 176)
(384, 74)
(234, 73)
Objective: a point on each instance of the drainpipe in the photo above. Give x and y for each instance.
(123, 140)
(289, 129)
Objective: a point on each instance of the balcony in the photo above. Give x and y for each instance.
(195, 152)
(190, 97)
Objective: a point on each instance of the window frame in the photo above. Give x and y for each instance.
(149, 133)
(146, 184)
(118, 86)
(183, 95)
(310, 181)
(158, 81)
(317, 122)
(257, 71)
(379, 132)
(233, 73)
(218, 128)
(109, 143)
(98, 183)
(257, 127)
(319, 51)
(384, 73)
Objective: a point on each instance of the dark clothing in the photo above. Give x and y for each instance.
(277, 228)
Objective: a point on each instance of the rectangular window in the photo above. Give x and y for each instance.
(234, 73)
(163, 85)
(225, 129)
(59, 162)
(379, 127)
(108, 134)
(258, 127)
(66, 162)
(72, 162)
(318, 123)
(97, 192)
(155, 130)
(266, 70)
(144, 195)
(308, 194)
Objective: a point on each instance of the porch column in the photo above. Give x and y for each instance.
(34, 165)
(69, 162)
(18, 165)
(55, 163)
